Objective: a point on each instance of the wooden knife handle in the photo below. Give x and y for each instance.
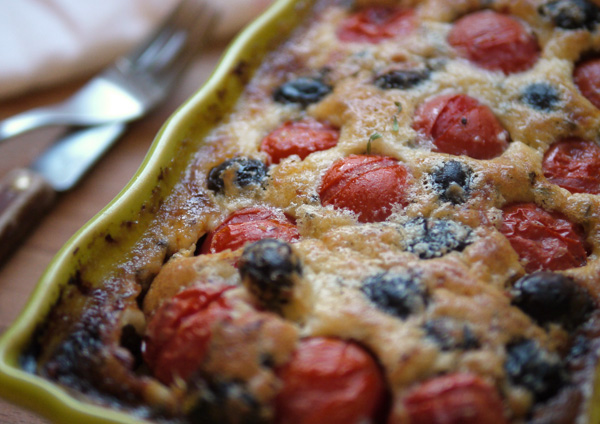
(25, 197)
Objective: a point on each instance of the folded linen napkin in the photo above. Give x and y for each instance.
(45, 42)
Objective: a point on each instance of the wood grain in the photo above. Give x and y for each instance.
(19, 274)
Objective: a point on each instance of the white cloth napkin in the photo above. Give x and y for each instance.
(44, 42)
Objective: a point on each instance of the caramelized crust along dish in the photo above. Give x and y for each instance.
(397, 222)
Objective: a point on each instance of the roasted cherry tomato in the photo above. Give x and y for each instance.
(375, 24)
(250, 225)
(460, 125)
(575, 165)
(368, 185)
(178, 334)
(587, 78)
(330, 381)
(543, 240)
(494, 41)
(299, 138)
(454, 399)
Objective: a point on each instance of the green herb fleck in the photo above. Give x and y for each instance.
(395, 126)
(399, 106)
(373, 137)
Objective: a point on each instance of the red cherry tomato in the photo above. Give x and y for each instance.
(587, 78)
(575, 165)
(543, 240)
(454, 399)
(494, 41)
(178, 334)
(460, 125)
(299, 138)
(368, 185)
(329, 381)
(377, 23)
(247, 226)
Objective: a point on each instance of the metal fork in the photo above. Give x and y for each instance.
(134, 84)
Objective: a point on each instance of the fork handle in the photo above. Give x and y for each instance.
(25, 196)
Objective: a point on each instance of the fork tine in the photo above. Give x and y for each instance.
(195, 22)
(148, 50)
(173, 45)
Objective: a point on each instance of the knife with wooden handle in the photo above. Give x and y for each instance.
(27, 194)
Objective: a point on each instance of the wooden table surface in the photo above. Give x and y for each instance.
(20, 273)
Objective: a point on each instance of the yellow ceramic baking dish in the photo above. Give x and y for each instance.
(171, 149)
(170, 154)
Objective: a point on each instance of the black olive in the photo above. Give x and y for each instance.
(452, 181)
(541, 96)
(539, 371)
(226, 402)
(242, 171)
(269, 269)
(449, 334)
(432, 238)
(551, 297)
(401, 79)
(571, 14)
(302, 90)
(396, 294)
